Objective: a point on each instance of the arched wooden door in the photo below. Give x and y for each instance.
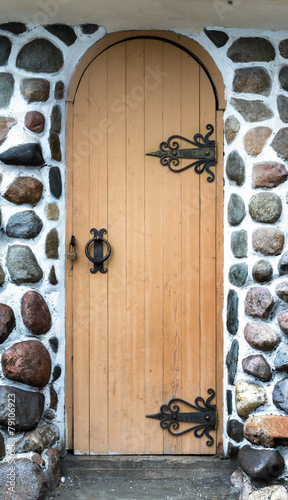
(146, 331)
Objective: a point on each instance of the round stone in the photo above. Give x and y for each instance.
(280, 394)
(6, 89)
(283, 77)
(5, 49)
(52, 244)
(24, 225)
(55, 182)
(31, 482)
(27, 362)
(22, 265)
(283, 264)
(265, 207)
(281, 358)
(259, 302)
(268, 174)
(35, 313)
(283, 322)
(6, 124)
(236, 210)
(35, 89)
(232, 127)
(261, 464)
(283, 48)
(65, 33)
(261, 336)
(235, 430)
(249, 396)
(34, 121)
(255, 140)
(254, 80)
(24, 190)
(249, 49)
(252, 111)
(52, 211)
(7, 322)
(40, 56)
(280, 143)
(282, 290)
(282, 105)
(232, 312)
(257, 366)
(239, 244)
(238, 274)
(268, 240)
(262, 271)
(235, 168)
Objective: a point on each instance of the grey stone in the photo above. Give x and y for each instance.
(282, 290)
(38, 439)
(56, 373)
(55, 147)
(248, 49)
(255, 140)
(229, 400)
(54, 344)
(235, 430)
(260, 463)
(22, 265)
(52, 277)
(281, 358)
(280, 143)
(27, 155)
(261, 336)
(269, 493)
(238, 274)
(232, 361)
(282, 105)
(235, 168)
(59, 91)
(283, 263)
(283, 48)
(89, 29)
(56, 119)
(283, 77)
(6, 89)
(2, 276)
(262, 271)
(28, 407)
(55, 182)
(268, 240)
(15, 28)
(268, 174)
(65, 33)
(5, 49)
(265, 207)
(52, 211)
(252, 111)
(280, 394)
(239, 244)
(40, 56)
(30, 482)
(236, 210)
(26, 224)
(232, 312)
(35, 89)
(249, 396)
(258, 302)
(257, 366)
(254, 80)
(232, 127)
(52, 244)
(2, 446)
(219, 38)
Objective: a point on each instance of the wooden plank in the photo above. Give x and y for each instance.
(81, 302)
(98, 282)
(154, 334)
(117, 274)
(207, 259)
(172, 239)
(190, 250)
(135, 246)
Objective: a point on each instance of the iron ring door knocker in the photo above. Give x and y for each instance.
(98, 259)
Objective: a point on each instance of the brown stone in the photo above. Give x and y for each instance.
(268, 240)
(282, 290)
(280, 143)
(53, 398)
(55, 146)
(232, 127)
(267, 430)
(254, 80)
(255, 140)
(252, 111)
(35, 89)
(261, 336)
(35, 313)
(52, 211)
(5, 125)
(24, 190)
(7, 322)
(52, 471)
(38, 439)
(259, 302)
(34, 121)
(52, 277)
(52, 244)
(37, 459)
(268, 174)
(28, 362)
(283, 322)
(257, 366)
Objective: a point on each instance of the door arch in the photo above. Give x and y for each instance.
(113, 121)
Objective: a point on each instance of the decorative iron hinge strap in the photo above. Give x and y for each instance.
(205, 416)
(205, 154)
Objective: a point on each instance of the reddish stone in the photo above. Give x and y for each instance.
(268, 240)
(264, 429)
(268, 174)
(35, 313)
(37, 459)
(257, 366)
(7, 322)
(34, 121)
(258, 302)
(24, 190)
(5, 125)
(52, 471)
(28, 362)
(261, 336)
(283, 322)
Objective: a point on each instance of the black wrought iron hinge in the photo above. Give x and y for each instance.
(205, 417)
(205, 153)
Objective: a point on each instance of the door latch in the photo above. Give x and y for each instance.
(72, 254)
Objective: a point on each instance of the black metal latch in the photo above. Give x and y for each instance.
(205, 153)
(205, 416)
(98, 259)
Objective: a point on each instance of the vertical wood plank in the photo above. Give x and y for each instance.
(98, 282)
